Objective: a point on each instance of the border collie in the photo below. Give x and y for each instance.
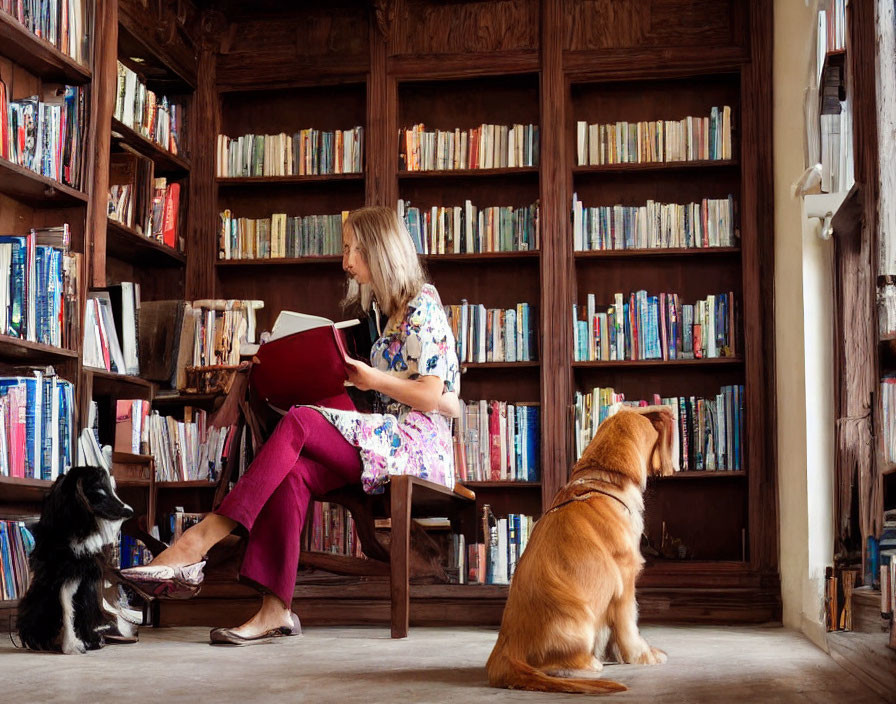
(62, 608)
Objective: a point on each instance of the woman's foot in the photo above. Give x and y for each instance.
(273, 620)
(195, 542)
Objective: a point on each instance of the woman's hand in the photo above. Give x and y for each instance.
(449, 405)
(361, 374)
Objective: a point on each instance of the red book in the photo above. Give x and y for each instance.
(169, 228)
(304, 363)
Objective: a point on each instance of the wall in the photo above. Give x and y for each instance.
(805, 382)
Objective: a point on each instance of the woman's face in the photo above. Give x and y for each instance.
(352, 260)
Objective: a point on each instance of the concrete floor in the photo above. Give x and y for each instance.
(756, 664)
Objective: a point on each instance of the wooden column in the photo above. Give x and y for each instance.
(204, 120)
(557, 274)
(105, 78)
(381, 159)
(399, 551)
(758, 266)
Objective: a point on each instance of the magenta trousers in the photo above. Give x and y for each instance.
(305, 455)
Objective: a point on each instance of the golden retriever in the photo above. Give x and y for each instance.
(572, 597)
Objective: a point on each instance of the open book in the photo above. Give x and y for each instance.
(303, 363)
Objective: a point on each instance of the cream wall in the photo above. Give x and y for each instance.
(803, 337)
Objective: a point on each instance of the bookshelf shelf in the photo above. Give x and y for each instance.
(656, 166)
(709, 474)
(671, 363)
(16, 350)
(128, 245)
(19, 489)
(165, 161)
(502, 484)
(232, 181)
(482, 256)
(275, 261)
(35, 190)
(699, 252)
(191, 484)
(522, 171)
(185, 399)
(38, 55)
(472, 366)
(120, 385)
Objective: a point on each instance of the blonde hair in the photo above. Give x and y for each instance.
(395, 272)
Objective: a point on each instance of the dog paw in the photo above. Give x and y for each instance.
(72, 646)
(648, 656)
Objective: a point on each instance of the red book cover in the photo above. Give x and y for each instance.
(304, 367)
(494, 440)
(172, 202)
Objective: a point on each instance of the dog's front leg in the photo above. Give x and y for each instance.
(633, 649)
(70, 642)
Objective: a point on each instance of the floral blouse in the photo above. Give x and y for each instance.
(401, 440)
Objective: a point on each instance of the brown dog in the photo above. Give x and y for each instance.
(573, 593)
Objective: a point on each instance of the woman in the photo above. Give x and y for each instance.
(313, 450)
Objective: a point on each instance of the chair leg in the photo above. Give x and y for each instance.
(400, 502)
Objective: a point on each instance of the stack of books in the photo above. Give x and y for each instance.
(65, 24)
(469, 229)
(46, 134)
(308, 152)
(110, 329)
(330, 528)
(710, 223)
(37, 415)
(493, 334)
(493, 561)
(154, 117)
(691, 138)
(708, 431)
(130, 552)
(655, 327)
(484, 147)
(16, 543)
(39, 285)
(279, 236)
(188, 451)
(497, 441)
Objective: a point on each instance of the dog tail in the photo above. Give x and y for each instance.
(520, 675)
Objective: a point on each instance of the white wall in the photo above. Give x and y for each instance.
(803, 342)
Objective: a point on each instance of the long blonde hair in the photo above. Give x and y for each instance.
(395, 272)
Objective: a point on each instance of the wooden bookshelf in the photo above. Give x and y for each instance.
(643, 363)
(120, 385)
(282, 261)
(657, 252)
(166, 162)
(126, 244)
(23, 490)
(35, 190)
(242, 181)
(512, 172)
(37, 55)
(652, 166)
(15, 350)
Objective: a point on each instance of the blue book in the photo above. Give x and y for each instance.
(532, 442)
(14, 325)
(9, 585)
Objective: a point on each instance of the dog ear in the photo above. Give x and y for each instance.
(661, 455)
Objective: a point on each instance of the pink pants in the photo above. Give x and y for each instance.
(305, 455)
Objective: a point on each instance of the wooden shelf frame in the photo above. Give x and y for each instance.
(37, 55)
(651, 167)
(166, 162)
(126, 244)
(36, 190)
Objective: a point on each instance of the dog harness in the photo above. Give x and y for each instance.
(587, 495)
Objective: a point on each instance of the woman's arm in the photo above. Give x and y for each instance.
(422, 394)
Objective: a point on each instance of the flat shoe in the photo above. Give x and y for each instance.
(227, 636)
(165, 581)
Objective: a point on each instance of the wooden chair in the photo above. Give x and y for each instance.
(405, 498)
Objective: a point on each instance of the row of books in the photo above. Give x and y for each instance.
(305, 153)
(485, 147)
(47, 133)
(493, 334)
(140, 200)
(693, 138)
(279, 236)
(497, 441)
(468, 229)
(655, 327)
(494, 560)
(39, 287)
(708, 431)
(111, 324)
(187, 451)
(16, 543)
(155, 117)
(709, 223)
(37, 422)
(330, 528)
(66, 24)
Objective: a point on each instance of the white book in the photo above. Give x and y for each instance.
(129, 307)
(501, 566)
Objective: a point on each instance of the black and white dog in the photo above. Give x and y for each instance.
(62, 608)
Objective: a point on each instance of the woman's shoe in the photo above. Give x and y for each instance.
(227, 636)
(165, 581)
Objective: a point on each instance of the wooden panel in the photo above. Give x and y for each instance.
(427, 27)
(314, 198)
(161, 29)
(611, 24)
